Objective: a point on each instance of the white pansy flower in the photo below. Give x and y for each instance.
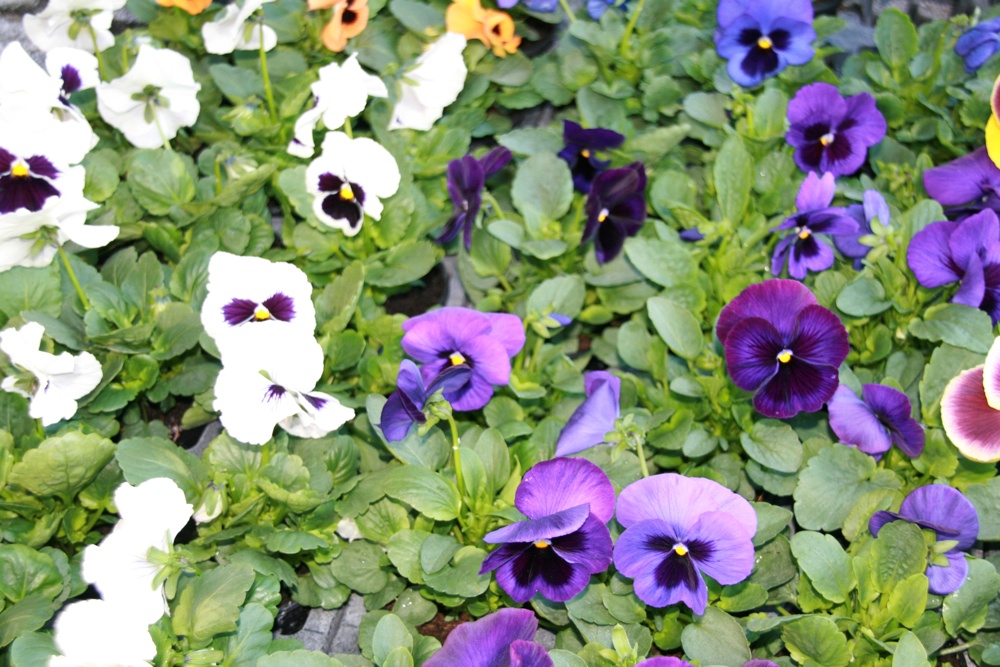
(274, 384)
(59, 380)
(349, 179)
(76, 68)
(153, 100)
(431, 85)
(152, 514)
(92, 633)
(230, 30)
(64, 23)
(348, 529)
(342, 92)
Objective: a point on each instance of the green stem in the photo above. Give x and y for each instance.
(72, 279)
(623, 49)
(159, 128)
(568, 10)
(271, 109)
(642, 457)
(97, 53)
(218, 177)
(347, 128)
(456, 452)
(492, 201)
(40, 430)
(957, 649)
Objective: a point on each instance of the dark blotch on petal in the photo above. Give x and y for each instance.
(71, 81)
(274, 392)
(238, 311)
(281, 306)
(17, 192)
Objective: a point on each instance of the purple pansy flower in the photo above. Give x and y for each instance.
(533, 5)
(832, 133)
(759, 662)
(876, 421)
(677, 528)
(760, 38)
(952, 517)
(26, 182)
(596, 8)
(466, 180)
(502, 639)
(483, 342)
(972, 183)
(970, 409)
(966, 252)
(595, 416)
(664, 662)
(803, 251)
(565, 539)
(873, 206)
(784, 346)
(405, 405)
(979, 43)
(616, 209)
(579, 153)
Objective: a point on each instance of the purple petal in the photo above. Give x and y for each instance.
(552, 486)
(678, 501)
(474, 394)
(849, 244)
(752, 350)
(758, 662)
(881, 518)
(645, 553)
(488, 358)
(815, 192)
(527, 570)
(831, 221)
(929, 256)
(944, 506)
(410, 383)
(427, 341)
(876, 207)
(977, 235)
(943, 580)
(856, 424)
(798, 387)
(597, 139)
(821, 339)
(668, 661)
(485, 642)
(465, 320)
(809, 254)
(495, 160)
(528, 654)
(398, 414)
(893, 409)
(817, 103)
(508, 329)
(542, 528)
(777, 301)
(869, 124)
(969, 421)
(729, 558)
(963, 180)
(590, 547)
(781, 252)
(594, 418)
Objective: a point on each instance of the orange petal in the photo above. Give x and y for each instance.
(466, 18)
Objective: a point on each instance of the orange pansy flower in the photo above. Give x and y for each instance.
(492, 27)
(349, 18)
(190, 6)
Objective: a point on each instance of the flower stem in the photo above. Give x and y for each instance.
(72, 279)
(623, 49)
(493, 202)
(956, 649)
(642, 457)
(97, 53)
(568, 10)
(271, 109)
(347, 128)
(456, 452)
(159, 128)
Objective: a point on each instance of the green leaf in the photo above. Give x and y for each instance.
(774, 445)
(542, 191)
(252, 638)
(771, 520)
(462, 578)
(425, 491)
(863, 297)
(899, 552)
(382, 520)
(102, 168)
(707, 108)
(910, 652)
(896, 38)
(401, 265)
(36, 289)
(716, 639)
(986, 499)
(437, 551)
(177, 330)
(678, 328)
(964, 608)
(908, 600)
(946, 362)
(63, 465)
(210, 604)
(404, 552)
(24, 616)
(418, 17)
(531, 140)
(390, 633)
(734, 175)
(825, 563)
(398, 657)
(33, 649)
(562, 295)
(816, 638)
(239, 84)
(358, 566)
(24, 572)
(294, 541)
(335, 305)
(298, 659)
(667, 263)
(159, 179)
(955, 324)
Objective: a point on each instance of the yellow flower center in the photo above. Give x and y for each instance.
(765, 42)
(261, 313)
(603, 215)
(346, 192)
(785, 356)
(20, 170)
(681, 550)
(826, 139)
(542, 544)
(804, 233)
(456, 359)
(585, 153)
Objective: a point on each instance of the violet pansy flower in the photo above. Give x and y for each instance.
(952, 518)
(596, 416)
(784, 346)
(801, 249)
(580, 149)
(668, 661)
(405, 405)
(565, 539)
(760, 38)
(678, 528)
(501, 639)
(466, 180)
(971, 182)
(970, 409)
(483, 342)
(874, 207)
(876, 421)
(616, 209)
(978, 44)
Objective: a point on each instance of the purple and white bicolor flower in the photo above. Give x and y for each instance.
(466, 180)
(501, 639)
(349, 179)
(565, 538)
(955, 522)
(484, 342)
(678, 528)
(781, 344)
(405, 406)
(801, 249)
(580, 152)
(760, 38)
(876, 421)
(967, 184)
(595, 417)
(616, 209)
(978, 44)
(970, 409)
(832, 133)
(872, 208)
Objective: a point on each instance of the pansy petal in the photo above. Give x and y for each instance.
(661, 578)
(893, 409)
(815, 192)
(668, 661)
(809, 254)
(991, 376)
(532, 571)
(817, 102)
(969, 421)
(473, 395)
(543, 528)
(427, 341)
(963, 180)
(978, 235)
(528, 654)
(942, 580)
(929, 256)
(856, 424)
(945, 506)
(677, 501)
(593, 419)
(398, 414)
(752, 350)
(590, 546)
(822, 338)
(869, 123)
(552, 486)
(483, 643)
(487, 357)
(726, 552)
(777, 301)
(798, 387)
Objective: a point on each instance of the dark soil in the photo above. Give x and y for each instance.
(421, 298)
(440, 628)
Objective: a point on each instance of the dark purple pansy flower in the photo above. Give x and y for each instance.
(580, 152)
(832, 133)
(802, 250)
(784, 346)
(966, 252)
(978, 44)
(502, 639)
(876, 421)
(874, 207)
(483, 342)
(952, 517)
(595, 416)
(466, 180)
(970, 409)
(25, 182)
(565, 539)
(760, 38)
(676, 529)
(616, 209)
(405, 405)
(971, 183)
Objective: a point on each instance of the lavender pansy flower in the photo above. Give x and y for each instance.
(405, 406)
(978, 44)
(971, 182)
(565, 539)
(678, 528)
(580, 149)
(832, 133)
(876, 421)
(784, 346)
(801, 249)
(668, 661)
(760, 38)
(595, 416)
(502, 639)
(483, 342)
(596, 8)
(874, 207)
(952, 518)
(533, 5)
(970, 409)
(466, 180)
(616, 209)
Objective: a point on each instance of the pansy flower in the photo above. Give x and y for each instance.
(433, 83)
(492, 27)
(616, 209)
(876, 421)
(978, 44)
(544, 6)
(993, 125)
(405, 406)
(596, 8)
(466, 180)
(678, 528)
(349, 19)
(501, 639)
(484, 342)
(831, 133)
(970, 409)
(801, 249)
(76, 69)
(565, 538)
(760, 38)
(954, 521)
(971, 183)
(873, 207)
(349, 179)
(97, 632)
(580, 152)
(595, 417)
(784, 346)
(69, 23)
(193, 7)
(232, 29)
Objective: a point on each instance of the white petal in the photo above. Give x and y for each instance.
(247, 408)
(303, 145)
(438, 77)
(83, 62)
(96, 632)
(158, 503)
(120, 569)
(316, 423)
